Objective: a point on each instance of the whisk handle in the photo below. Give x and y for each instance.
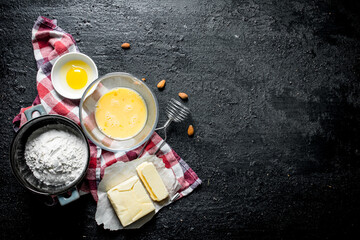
(163, 127)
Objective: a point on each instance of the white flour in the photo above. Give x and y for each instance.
(56, 157)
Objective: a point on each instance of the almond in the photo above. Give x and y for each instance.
(183, 96)
(143, 79)
(125, 45)
(161, 84)
(190, 130)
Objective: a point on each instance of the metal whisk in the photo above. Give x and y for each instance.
(176, 112)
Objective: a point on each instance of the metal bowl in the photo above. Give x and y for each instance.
(17, 160)
(102, 86)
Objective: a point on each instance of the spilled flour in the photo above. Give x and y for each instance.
(55, 156)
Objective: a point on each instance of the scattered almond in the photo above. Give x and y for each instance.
(190, 130)
(183, 96)
(125, 45)
(161, 84)
(143, 79)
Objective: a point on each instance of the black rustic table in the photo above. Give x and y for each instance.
(274, 94)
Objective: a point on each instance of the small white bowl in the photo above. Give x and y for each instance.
(59, 79)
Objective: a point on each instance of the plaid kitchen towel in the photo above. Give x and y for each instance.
(49, 43)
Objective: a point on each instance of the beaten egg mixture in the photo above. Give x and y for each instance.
(121, 113)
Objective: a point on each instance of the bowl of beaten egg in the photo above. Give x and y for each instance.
(118, 112)
(72, 73)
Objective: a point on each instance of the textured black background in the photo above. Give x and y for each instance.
(274, 92)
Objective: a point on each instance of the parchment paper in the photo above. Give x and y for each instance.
(119, 172)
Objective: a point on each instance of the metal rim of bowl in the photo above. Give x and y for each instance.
(93, 84)
(61, 118)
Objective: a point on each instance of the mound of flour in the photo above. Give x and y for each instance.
(55, 156)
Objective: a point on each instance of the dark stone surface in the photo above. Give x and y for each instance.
(274, 92)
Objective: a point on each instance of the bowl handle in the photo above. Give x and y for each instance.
(65, 200)
(38, 108)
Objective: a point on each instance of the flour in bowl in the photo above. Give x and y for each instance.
(55, 155)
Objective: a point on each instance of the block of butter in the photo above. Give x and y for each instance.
(130, 201)
(152, 181)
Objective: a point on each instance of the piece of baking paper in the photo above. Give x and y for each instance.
(121, 171)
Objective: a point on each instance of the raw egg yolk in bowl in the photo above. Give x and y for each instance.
(77, 74)
(72, 73)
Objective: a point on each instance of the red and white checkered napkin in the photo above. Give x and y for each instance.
(50, 42)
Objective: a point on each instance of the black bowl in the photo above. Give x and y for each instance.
(18, 164)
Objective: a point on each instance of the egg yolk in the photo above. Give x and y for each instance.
(76, 77)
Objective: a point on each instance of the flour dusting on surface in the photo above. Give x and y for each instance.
(55, 156)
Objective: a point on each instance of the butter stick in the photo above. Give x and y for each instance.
(152, 181)
(130, 201)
